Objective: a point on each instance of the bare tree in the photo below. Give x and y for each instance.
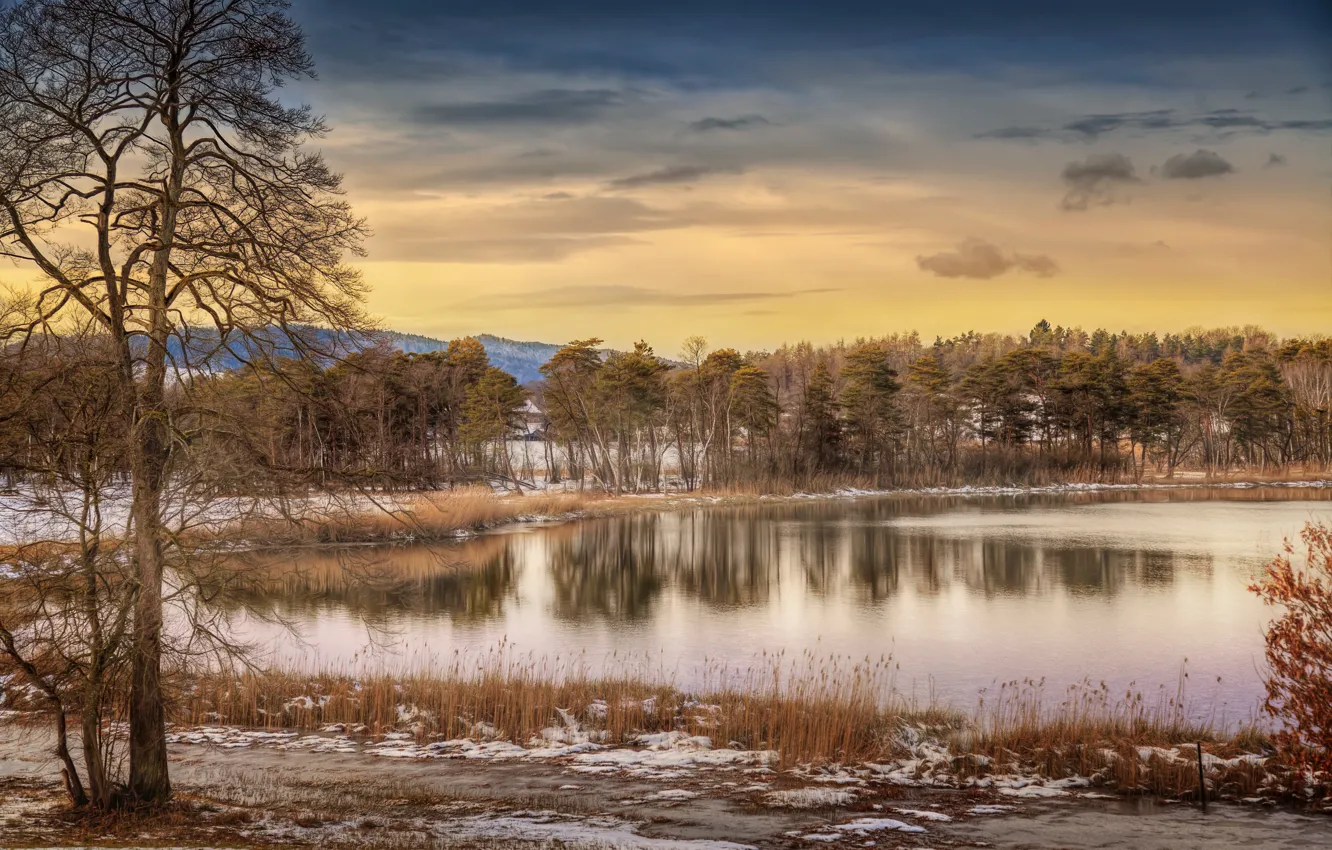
(153, 179)
(66, 600)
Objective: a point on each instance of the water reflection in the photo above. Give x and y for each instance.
(617, 569)
(380, 584)
(975, 586)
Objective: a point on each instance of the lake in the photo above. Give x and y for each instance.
(964, 592)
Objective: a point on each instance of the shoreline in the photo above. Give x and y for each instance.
(597, 505)
(443, 516)
(284, 790)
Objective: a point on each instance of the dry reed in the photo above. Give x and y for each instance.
(811, 710)
(434, 516)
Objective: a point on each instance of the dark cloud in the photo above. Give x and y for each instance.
(981, 260)
(1015, 133)
(1041, 265)
(1093, 126)
(1274, 160)
(1297, 90)
(551, 106)
(636, 296)
(1092, 182)
(1195, 166)
(1222, 121)
(742, 122)
(669, 175)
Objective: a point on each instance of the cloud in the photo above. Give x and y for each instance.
(981, 260)
(1091, 127)
(535, 230)
(1015, 133)
(1092, 181)
(1194, 166)
(669, 175)
(533, 249)
(619, 295)
(1274, 160)
(742, 122)
(1138, 249)
(551, 106)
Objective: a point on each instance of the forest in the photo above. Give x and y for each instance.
(1057, 404)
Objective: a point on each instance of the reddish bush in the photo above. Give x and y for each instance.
(1299, 653)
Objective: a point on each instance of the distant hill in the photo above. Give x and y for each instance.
(523, 360)
(520, 359)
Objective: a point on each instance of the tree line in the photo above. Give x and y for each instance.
(1052, 405)
(1056, 404)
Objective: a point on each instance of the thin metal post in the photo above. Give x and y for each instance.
(1202, 781)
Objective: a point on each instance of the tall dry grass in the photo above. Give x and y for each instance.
(1125, 738)
(432, 516)
(809, 709)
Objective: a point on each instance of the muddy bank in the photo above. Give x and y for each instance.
(262, 796)
(1147, 825)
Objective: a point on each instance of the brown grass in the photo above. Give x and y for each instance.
(809, 709)
(434, 516)
(1092, 732)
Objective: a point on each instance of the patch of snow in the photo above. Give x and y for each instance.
(674, 795)
(991, 810)
(809, 798)
(600, 832)
(1033, 792)
(938, 817)
(865, 825)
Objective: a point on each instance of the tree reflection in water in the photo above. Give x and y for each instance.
(962, 590)
(617, 569)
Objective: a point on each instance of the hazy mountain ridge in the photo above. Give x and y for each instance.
(522, 359)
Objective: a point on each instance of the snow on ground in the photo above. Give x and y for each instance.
(676, 755)
(597, 832)
(809, 798)
(991, 810)
(663, 752)
(864, 826)
(924, 814)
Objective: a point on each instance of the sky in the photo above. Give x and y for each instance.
(758, 173)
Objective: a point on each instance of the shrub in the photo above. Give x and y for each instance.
(1299, 654)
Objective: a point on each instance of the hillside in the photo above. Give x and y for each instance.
(521, 359)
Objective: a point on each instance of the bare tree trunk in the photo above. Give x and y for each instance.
(149, 781)
(69, 772)
(91, 732)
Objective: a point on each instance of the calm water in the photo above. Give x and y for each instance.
(963, 592)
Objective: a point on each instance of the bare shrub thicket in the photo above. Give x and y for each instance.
(1299, 654)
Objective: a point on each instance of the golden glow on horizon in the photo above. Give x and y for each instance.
(753, 263)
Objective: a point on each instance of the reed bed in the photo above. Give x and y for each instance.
(809, 709)
(1127, 739)
(434, 516)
